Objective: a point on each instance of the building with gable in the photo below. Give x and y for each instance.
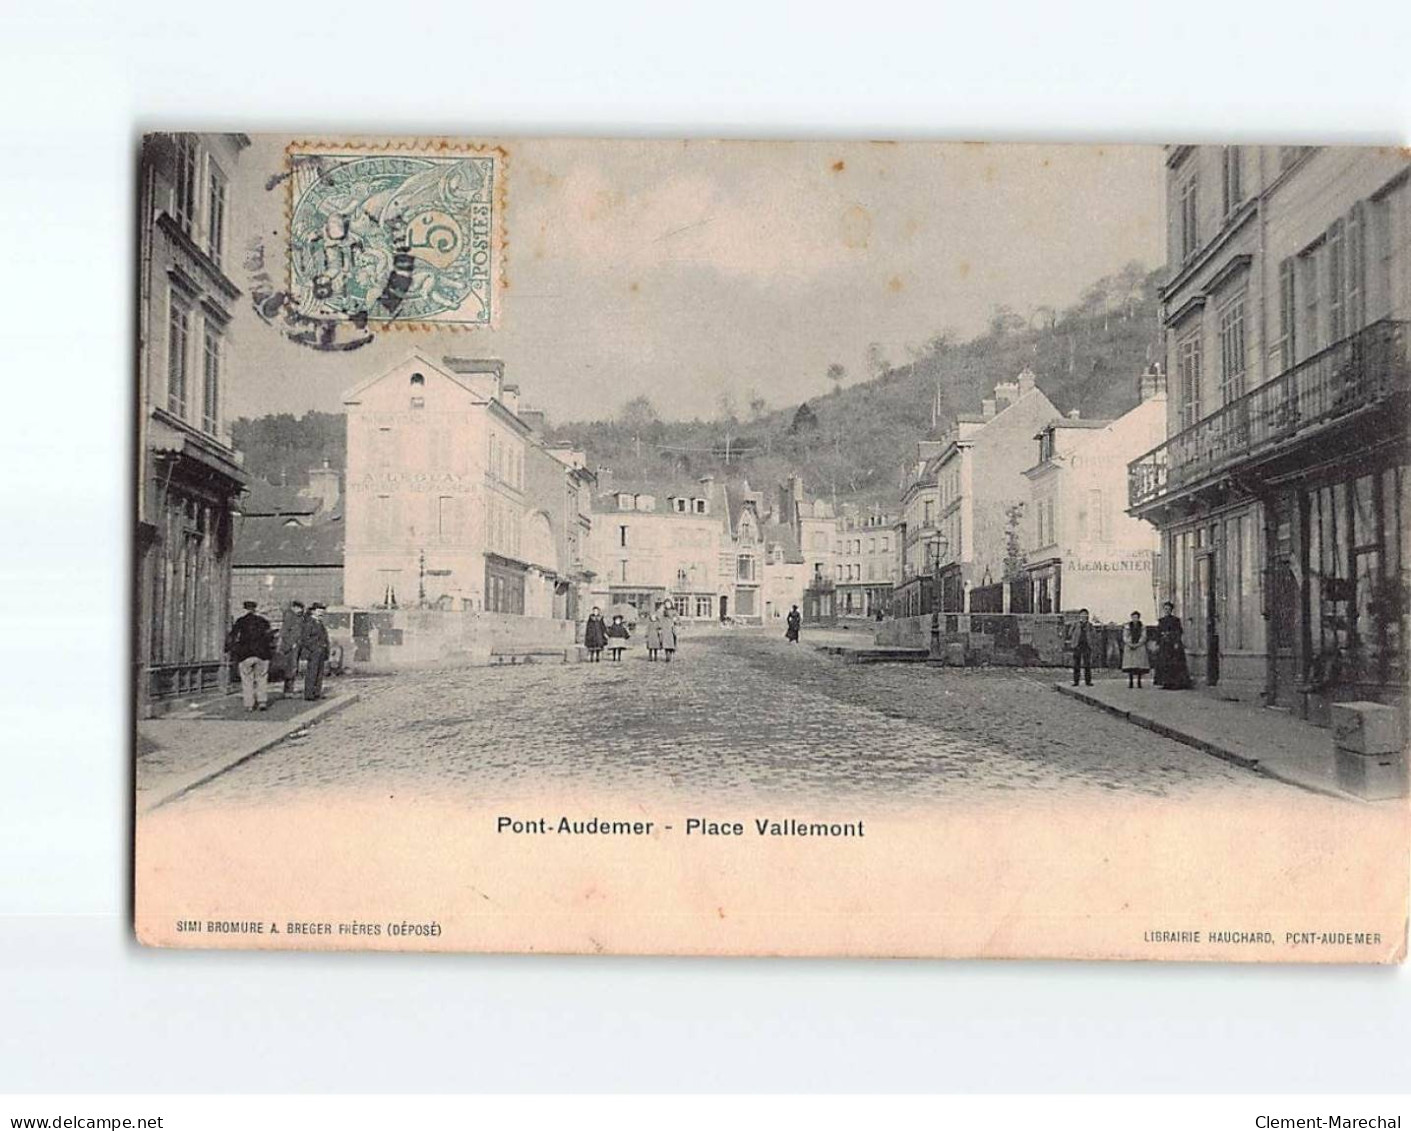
(1081, 548)
(453, 500)
(190, 474)
(957, 502)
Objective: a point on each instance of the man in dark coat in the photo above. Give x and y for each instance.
(291, 631)
(313, 647)
(793, 621)
(1082, 649)
(250, 647)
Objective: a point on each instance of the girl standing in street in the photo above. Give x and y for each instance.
(653, 637)
(1134, 659)
(667, 630)
(617, 636)
(595, 637)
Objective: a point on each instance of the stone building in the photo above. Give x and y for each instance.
(289, 544)
(648, 550)
(452, 499)
(1279, 492)
(956, 505)
(865, 566)
(190, 473)
(1081, 548)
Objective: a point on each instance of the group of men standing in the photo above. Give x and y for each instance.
(253, 645)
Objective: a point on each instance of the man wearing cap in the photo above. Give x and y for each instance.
(250, 647)
(290, 633)
(313, 646)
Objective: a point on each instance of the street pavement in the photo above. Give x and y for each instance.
(736, 716)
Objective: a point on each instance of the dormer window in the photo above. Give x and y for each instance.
(700, 506)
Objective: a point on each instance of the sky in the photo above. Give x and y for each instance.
(688, 270)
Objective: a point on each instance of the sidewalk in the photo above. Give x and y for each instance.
(1270, 742)
(177, 753)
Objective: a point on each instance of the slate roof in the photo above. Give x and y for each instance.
(280, 540)
(265, 498)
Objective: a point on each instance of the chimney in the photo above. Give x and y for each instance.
(509, 397)
(487, 374)
(1152, 383)
(987, 407)
(323, 485)
(535, 418)
(1006, 393)
(1026, 381)
(1073, 414)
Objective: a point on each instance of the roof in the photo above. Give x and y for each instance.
(265, 498)
(1069, 422)
(276, 540)
(785, 536)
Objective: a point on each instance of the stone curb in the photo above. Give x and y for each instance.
(207, 773)
(1204, 745)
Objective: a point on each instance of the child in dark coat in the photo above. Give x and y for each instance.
(617, 636)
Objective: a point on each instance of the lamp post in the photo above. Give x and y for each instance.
(937, 545)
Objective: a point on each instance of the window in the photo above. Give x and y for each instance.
(1337, 282)
(622, 535)
(418, 402)
(1230, 165)
(703, 605)
(418, 379)
(178, 333)
(382, 525)
(700, 506)
(184, 197)
(448, 518)
(1188, 363)
(1384, 247)
(1308, 283)
(210, 384)
(1288, 315)
(1232, 351)
(1097, 516)
(680, 505)
(926, 516)
(215, 214)
(1355, 310)
(886, 544)
(1190, 238)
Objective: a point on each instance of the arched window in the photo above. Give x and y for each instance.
(418, 379)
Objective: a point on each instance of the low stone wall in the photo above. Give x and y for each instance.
(384, 640)
(1012, 639)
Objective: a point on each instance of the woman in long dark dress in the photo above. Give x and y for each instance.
(1172, 673)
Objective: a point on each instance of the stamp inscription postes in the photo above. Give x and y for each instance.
(401, 236)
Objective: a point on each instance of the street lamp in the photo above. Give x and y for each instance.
(937, 544)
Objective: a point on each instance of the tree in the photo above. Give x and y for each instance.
(877, 363)
(758, 405)
(837, 374)
(1014, 556)
(1005, 319)
(805, 420)
(725, 407)
(638, 415)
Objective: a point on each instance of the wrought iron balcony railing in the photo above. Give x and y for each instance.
(1359, 371)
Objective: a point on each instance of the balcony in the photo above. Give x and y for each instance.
(1356, 374)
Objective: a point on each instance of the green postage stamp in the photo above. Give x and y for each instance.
(404, 235)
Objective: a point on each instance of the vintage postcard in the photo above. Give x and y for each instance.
(766, 548)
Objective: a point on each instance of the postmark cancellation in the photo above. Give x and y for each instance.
(407, 235)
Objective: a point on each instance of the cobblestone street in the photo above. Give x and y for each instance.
(735, 716)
